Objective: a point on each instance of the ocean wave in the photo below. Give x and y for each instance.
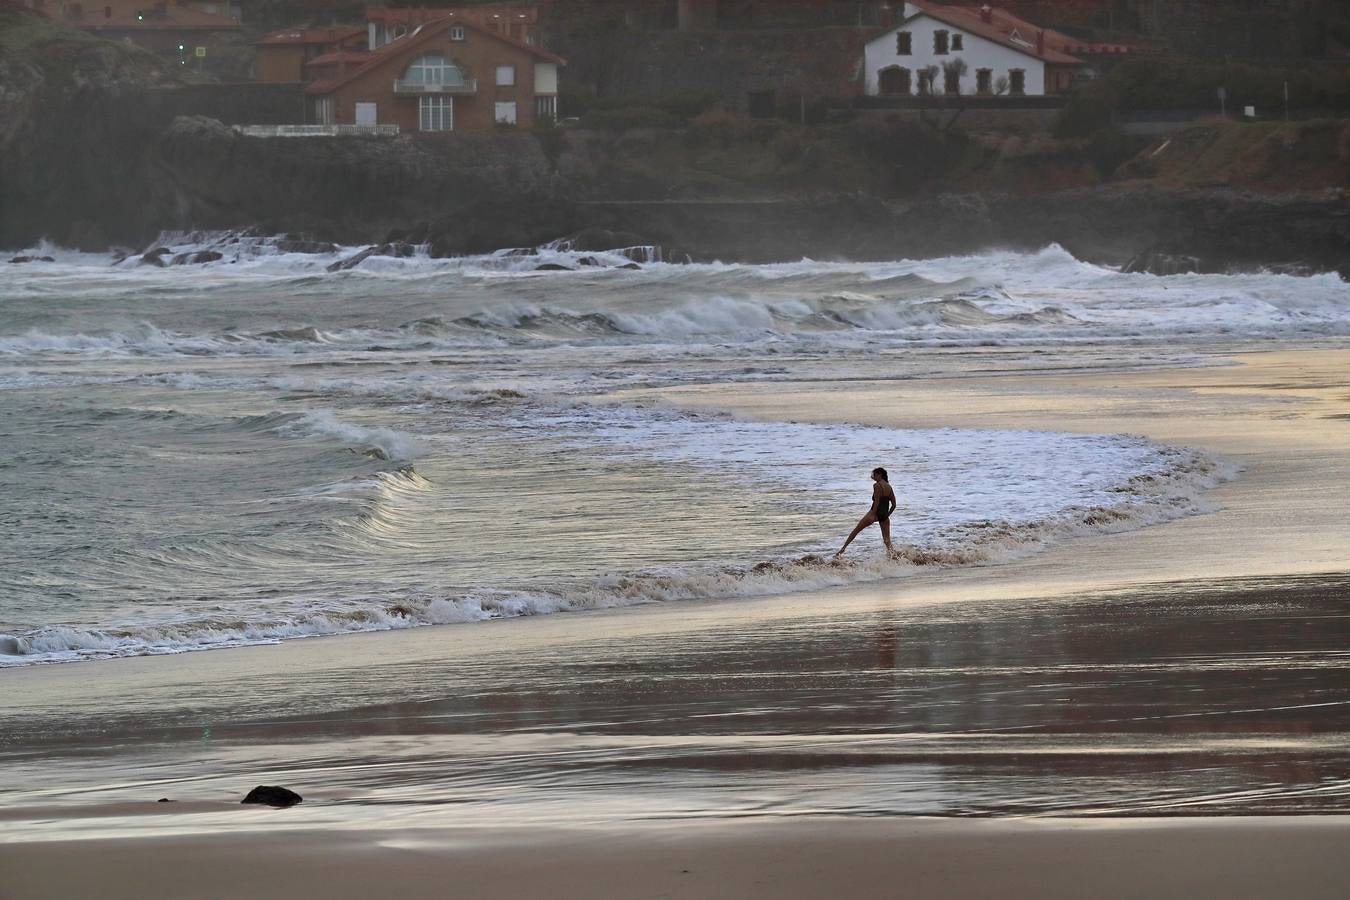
(1163, 494)
(375, 441)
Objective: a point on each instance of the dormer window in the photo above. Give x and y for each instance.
(904, 43)
(456, 32)
(940, 42)
(397, 32)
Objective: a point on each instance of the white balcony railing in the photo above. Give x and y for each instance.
(417, 88)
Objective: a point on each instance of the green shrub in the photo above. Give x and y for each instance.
(1109, 148)
(626, 118)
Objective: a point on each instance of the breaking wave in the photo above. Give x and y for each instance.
(1166, 493)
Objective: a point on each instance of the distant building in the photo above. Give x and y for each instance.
(284, 55)
(445, 75)
(983, 51)
(185, 30)
(326, 54)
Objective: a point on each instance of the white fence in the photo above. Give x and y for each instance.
(303, 131)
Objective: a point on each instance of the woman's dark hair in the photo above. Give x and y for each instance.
(882, 472)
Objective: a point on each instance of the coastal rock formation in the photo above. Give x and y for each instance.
(269, 795)
(1236, 196)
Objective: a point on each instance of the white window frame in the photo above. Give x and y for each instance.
(397, 31)
(435, 112)
(432, 68)
(509, 79)
(323, 110)
(370, 105)
(505, 112)
(456, 32)
(545, 107)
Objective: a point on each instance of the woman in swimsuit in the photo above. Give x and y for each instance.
(883, 504)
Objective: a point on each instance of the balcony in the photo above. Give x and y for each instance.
(404, 88)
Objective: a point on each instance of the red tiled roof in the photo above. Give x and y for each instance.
(1001, 30)
(419, 37)
(312, 35)
(340, 56)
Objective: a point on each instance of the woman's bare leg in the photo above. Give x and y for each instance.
(886, 534)
(862, 523)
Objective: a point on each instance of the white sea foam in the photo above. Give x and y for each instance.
(1119, 483)
(387, 443)
(258, 371)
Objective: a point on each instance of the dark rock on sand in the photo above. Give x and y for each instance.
(553, 267)
(154, 257)
(269, 795)
(29, 259)
(589, 261)
(630, 265)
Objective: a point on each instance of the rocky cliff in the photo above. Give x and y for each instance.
(88, 158)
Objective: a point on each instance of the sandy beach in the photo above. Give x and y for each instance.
(1161, 711)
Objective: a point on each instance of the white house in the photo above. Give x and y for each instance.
(968, 50)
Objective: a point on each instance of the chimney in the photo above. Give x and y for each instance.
(1040, 42)
(987, 14)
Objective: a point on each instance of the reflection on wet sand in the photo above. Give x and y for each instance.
(1193, 698)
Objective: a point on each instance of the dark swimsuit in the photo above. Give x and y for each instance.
(885, 506)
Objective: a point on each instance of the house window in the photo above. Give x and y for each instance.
(1017, 82)
(506, 112)
(546, 108)
(367, 113)
(433, 69)
(904, 43)
(323, 111)
(397, 32)
(984, 81)
(951, 80)
(940, 42)
(434, 113)
(456, 32)
(958, 42)
(894, 81)
(506, 76)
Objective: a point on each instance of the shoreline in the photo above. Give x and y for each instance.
(1022, 400)
(1186, 667)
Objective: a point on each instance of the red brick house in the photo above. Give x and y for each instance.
(446, 75)
(388, 24)
(283, 55)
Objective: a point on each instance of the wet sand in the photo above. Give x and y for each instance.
(1236, 858)
(1194, 669)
